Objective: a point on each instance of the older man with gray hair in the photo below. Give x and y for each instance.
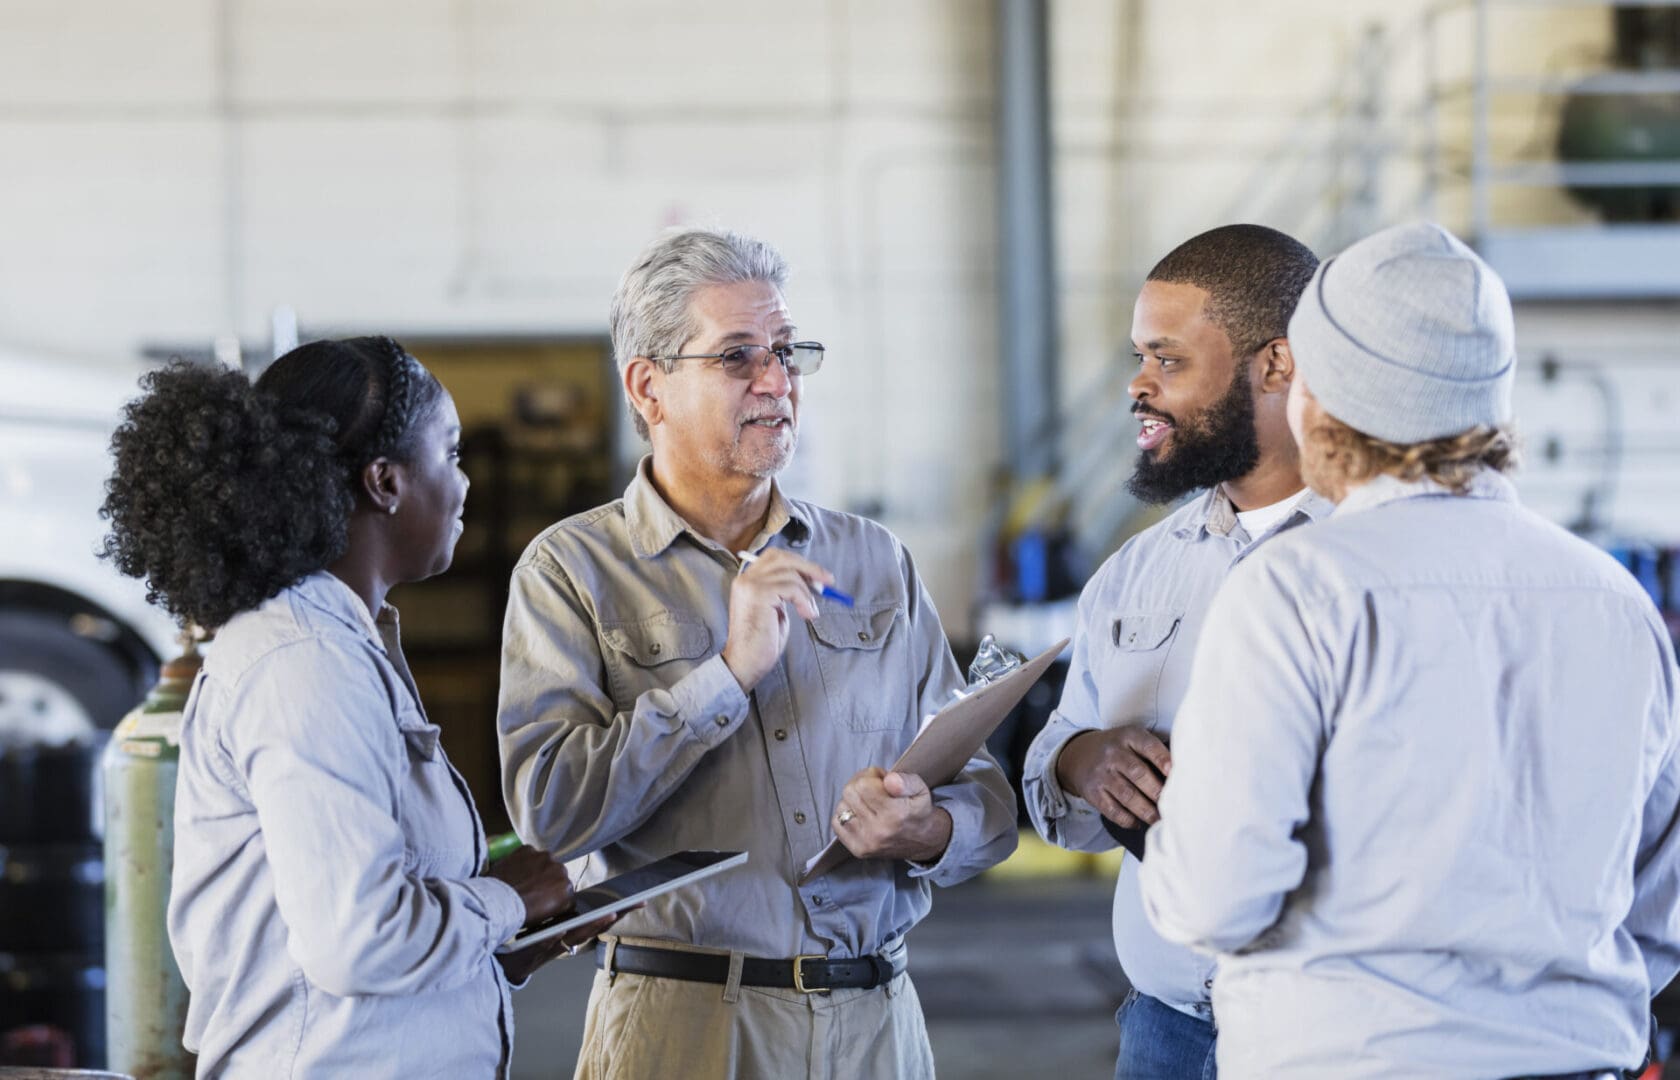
(675, 676)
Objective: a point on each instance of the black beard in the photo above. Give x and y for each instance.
(1217, 444)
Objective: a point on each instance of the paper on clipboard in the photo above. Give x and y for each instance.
(947, 742)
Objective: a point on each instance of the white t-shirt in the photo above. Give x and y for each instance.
(1255, 522)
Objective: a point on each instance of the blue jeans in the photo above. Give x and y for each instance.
(1157, 1042)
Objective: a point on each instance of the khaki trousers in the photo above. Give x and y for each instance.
(643, 1027)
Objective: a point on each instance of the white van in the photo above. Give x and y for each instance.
(79, 645)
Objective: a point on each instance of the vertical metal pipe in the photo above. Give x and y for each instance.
(1371, 111)
(1481, 162)
(1429, 195)
(233, 170)
(1026, 268)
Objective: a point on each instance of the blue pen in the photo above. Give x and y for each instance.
(826, 590)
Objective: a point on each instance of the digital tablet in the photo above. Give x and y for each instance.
(627, 890)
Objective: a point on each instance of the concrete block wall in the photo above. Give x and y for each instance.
(170, 172)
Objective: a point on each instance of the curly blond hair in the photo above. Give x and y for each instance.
(1338, 456)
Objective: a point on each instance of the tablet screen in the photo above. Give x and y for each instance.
(628, 889)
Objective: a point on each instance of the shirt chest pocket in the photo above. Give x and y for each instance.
(437, 825)
(1133, 661)
(651, 654)
(865, 672)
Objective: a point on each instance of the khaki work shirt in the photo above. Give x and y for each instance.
(624, 734)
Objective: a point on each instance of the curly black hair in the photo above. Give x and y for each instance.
(1254, 277)
(225, 493)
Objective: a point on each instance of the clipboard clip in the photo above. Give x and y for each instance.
(991, 663)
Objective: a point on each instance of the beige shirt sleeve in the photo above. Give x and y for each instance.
(577, 774)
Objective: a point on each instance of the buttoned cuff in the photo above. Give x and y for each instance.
(966, 819)
(711, 701)
(503, 909)
(1060, 803)
(1060, 816)
(1082, 828)
(1052, 801)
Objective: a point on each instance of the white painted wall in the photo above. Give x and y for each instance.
(171, 171)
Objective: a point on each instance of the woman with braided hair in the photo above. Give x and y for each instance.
(332, 909)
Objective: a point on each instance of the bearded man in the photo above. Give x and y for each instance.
(1214, 369)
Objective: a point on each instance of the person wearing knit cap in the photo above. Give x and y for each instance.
(1426, 787)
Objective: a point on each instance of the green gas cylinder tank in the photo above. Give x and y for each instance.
(145, 997)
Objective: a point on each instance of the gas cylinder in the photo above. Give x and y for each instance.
(145, 998)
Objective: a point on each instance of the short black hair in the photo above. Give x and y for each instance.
(1254, 277)
(225, 492)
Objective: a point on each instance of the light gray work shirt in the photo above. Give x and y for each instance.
(1139, 618)
(1424, 795)
(324, 906)
(624, 734)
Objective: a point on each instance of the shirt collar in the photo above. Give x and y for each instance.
(1485, 484)
(654, 526)
(1216, 515)
(328, 593)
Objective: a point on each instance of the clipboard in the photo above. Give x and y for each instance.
(953, 736)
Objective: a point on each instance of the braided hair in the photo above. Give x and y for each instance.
(225, 492)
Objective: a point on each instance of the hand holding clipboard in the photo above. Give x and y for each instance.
(954, 735)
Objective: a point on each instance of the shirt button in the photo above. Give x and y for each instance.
(654, 648)
(1208, 984)
(863, 635)
(799, 817)
(781, 734)
(722, 721)
(821, 900)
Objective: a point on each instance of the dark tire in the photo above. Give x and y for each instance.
(47, 794)
(45, 664)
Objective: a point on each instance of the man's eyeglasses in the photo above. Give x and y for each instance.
(750, 361)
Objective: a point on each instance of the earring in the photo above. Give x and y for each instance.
(391, 509)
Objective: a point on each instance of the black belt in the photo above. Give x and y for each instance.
(807, 974)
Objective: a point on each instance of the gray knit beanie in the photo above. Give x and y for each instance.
(1407, 336)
